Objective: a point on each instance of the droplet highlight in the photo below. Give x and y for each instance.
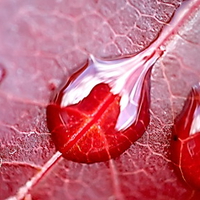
(102, 109)
(185, 145)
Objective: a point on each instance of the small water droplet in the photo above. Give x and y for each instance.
(186, 147)
(102, 109)
(2, 72)
(52, 86)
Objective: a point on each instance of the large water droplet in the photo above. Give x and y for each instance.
(102, 109)
(185, 146)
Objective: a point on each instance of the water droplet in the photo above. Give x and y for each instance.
(52, 86)
(102, 109)
(2, 72)
(186, 148)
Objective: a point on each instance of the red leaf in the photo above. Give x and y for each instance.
(42, 42)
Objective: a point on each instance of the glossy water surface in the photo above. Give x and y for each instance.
(185, 146)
